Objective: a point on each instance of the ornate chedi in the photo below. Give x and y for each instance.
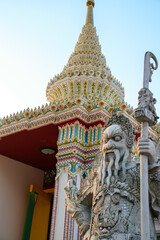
(86, 79)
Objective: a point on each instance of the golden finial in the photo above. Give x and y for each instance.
(90, 6)
(90, 3)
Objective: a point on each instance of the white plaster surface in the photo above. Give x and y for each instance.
(75, 236)
(60, 214)
(15, 180)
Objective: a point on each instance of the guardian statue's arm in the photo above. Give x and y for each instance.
(79, 202)
(148, 147)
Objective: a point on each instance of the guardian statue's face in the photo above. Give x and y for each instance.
(115, 152)
(114, 139)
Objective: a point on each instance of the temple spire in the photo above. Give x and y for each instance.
(90, 6)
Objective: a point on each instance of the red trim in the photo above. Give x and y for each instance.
(25, 146)
(87, 125)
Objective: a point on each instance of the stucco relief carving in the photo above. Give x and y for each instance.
(146, 103)
(107, 206)
(146, 107)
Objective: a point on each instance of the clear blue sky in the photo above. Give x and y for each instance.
(37, 38)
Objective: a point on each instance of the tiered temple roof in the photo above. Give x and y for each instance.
(86, 74)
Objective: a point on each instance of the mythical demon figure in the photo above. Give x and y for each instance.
(107, 206)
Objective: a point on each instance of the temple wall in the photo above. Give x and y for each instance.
(15, 180)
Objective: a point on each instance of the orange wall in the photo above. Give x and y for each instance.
(41, 214)
(15, 180)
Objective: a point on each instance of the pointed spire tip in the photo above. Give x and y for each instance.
(90, 3)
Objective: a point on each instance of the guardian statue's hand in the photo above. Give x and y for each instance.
(147, 147)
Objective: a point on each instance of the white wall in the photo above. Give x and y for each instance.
(15, 180)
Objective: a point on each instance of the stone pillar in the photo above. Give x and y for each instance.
(58, 211)
(63, 227)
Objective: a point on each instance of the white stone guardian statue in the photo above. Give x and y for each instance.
(107, 206)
